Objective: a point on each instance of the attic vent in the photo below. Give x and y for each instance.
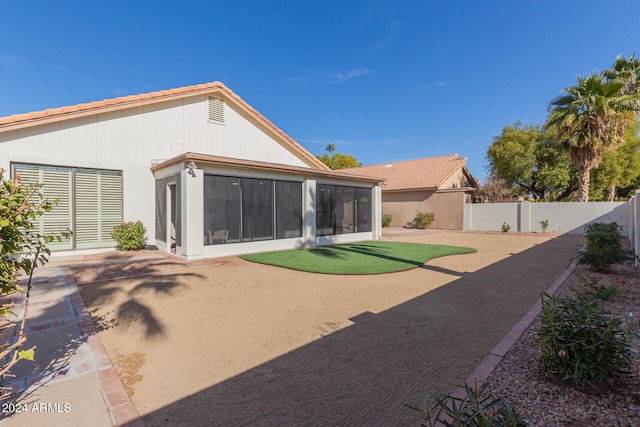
(216, 110)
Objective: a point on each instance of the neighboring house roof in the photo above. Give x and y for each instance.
(419, 174)
(19, 121)
(206, 159)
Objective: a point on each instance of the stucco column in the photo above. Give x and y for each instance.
(524, 216)
(192, 221)
(466, 222)
(377, 212)
(309, 212)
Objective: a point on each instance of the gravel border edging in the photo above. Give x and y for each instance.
(486, 367)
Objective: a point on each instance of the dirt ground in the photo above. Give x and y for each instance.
(238, 343)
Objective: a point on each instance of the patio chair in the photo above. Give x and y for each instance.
(221, 235)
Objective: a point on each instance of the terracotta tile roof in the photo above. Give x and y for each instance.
(19, 121)
(427, 173)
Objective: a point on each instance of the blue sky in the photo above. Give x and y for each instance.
(383, 81)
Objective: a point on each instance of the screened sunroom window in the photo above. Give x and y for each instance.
(342, 210)
(248, 209)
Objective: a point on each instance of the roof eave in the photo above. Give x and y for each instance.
(261, 166)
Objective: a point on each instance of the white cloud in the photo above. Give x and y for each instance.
(423, 87)
(357, 72)
(383, 43)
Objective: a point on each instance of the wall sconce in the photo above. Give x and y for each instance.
(191, 166)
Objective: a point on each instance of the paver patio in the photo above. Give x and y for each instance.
(241, 343)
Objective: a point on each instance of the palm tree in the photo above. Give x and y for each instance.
(627, 70)
(330, 148)
(591, 118)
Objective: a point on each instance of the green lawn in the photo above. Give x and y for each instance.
(357, 258)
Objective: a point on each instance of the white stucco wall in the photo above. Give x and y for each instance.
(128, 140)
(563, 217)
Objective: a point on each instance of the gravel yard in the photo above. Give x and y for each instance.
(521, 380)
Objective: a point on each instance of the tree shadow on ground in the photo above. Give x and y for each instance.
(54, 327)
(362, 374)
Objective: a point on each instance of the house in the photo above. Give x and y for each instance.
(204, 171)
(441, 185)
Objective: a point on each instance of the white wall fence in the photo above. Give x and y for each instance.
(563, 217)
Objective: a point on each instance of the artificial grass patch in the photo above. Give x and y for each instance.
(357, 258)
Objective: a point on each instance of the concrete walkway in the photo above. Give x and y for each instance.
(72, 381)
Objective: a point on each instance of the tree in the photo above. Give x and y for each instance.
(591, 118)
(337, 160)
(21, 250)
(618, 168)
(496, 190)
(627, 71)
(531, 164)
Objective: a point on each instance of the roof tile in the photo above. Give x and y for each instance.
(430, 172)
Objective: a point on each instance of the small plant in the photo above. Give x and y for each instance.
(545, 225)
(604, 246)
(594, 287)
(129, 235)
(476, 408)
(505, 227)
(424, 219)
(581, 341)
(386, 220)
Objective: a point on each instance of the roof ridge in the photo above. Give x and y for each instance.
(416, 160)
(108, 102)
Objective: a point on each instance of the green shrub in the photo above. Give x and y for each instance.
(129, 235)
(545, 225)
(386, 220)
(476, 408)
(505, 227)
(594, 287)
(424, 219)
(581, 341)
(604, 246)
(22, 249)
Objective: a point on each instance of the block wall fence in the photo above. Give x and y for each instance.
(563, 217)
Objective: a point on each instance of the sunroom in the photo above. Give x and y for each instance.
(211, 206)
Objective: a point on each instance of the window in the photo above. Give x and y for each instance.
(90, 203)
(257, 209)
(325, 214)
(341, 210)
(288, 209)
(247, 209)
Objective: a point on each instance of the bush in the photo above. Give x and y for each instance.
(424, 219)
(129, 235)
(386, 220)
(581, 341)
(476, 408)
(545, 225)
(22, 249)
(505, 227)
(594, 287)
(604, 246)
